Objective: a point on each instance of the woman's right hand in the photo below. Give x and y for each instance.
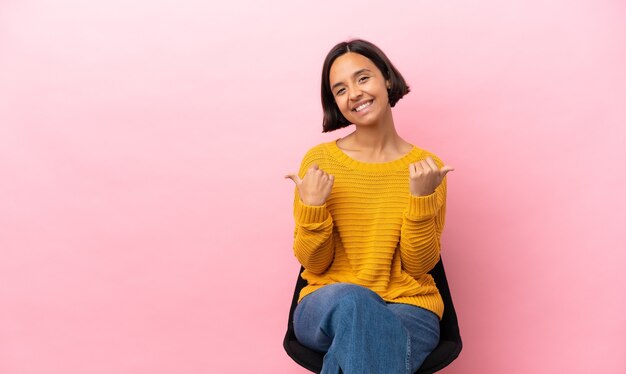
(315, 187)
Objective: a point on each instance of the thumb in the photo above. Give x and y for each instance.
(296, 179)
(446, 169)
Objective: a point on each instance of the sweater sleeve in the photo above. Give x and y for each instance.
(420, 234)
(313, 245)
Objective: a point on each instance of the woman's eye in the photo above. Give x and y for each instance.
(363, 79)
(339, 92)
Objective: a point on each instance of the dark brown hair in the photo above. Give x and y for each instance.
(333, 119)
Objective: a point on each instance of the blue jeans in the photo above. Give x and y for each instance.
(360, 333)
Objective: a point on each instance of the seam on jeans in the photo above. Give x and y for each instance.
(408, 354)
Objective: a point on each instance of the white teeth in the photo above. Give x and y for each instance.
(362, 106)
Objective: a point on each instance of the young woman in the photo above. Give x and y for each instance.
(369, 210)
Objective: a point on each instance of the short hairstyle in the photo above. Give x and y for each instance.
(333, 119)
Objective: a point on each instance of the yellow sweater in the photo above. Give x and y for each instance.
(371, 231)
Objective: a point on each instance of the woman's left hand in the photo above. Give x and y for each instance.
(425, 176)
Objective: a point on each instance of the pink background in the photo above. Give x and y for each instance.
(145, 225)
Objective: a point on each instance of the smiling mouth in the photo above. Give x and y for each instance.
(363, 106)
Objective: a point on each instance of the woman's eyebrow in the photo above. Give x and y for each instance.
(353, 75)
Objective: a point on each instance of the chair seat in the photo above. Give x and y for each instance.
(445, 352)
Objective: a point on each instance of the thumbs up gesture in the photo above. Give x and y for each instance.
(425, 176)
(315, 187)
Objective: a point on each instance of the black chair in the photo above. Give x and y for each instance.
(447, 351)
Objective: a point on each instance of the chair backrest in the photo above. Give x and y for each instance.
(448, 350)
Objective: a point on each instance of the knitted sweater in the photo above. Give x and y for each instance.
(371, 231)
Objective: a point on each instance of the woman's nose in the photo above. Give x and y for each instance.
(355, 93)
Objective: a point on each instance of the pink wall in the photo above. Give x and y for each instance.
(145, 226)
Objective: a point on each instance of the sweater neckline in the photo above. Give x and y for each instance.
(401, 163)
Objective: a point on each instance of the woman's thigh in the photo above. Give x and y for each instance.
(313, 310)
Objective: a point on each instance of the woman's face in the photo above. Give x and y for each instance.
(359, 88)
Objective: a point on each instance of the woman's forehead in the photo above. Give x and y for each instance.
(349, 63)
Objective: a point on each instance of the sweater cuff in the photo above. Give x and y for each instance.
(310, 213)
(422, 207)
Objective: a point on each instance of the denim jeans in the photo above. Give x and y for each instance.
(360, 333)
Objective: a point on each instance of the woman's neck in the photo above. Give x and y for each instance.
(375, 142)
